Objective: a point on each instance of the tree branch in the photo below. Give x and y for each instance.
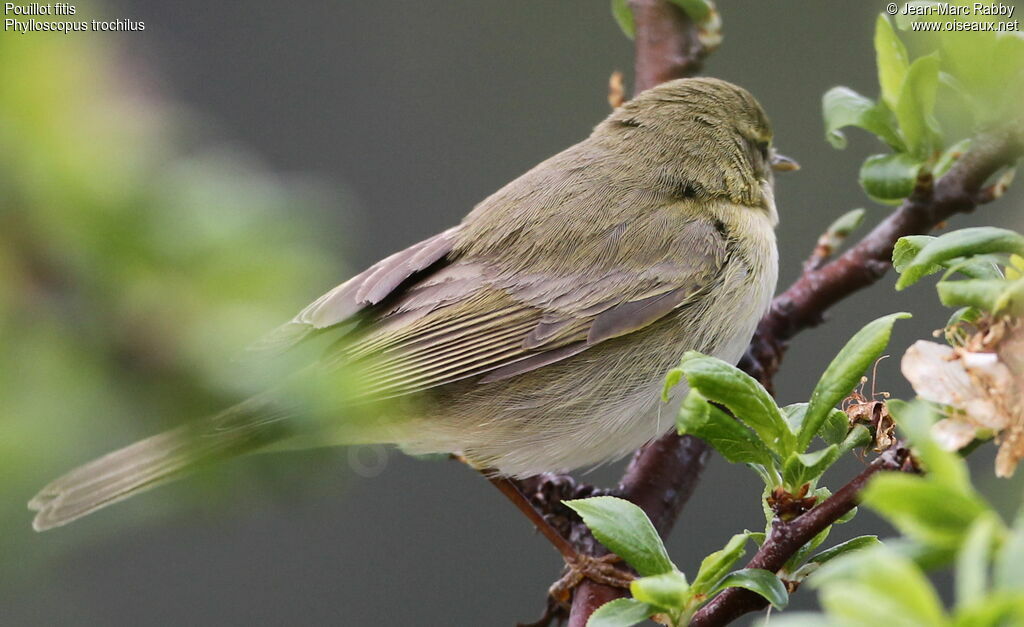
(668, 44)
(787, 538)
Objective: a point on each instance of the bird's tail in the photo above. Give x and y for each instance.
(250, 425)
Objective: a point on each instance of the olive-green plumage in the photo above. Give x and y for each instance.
(533, 336)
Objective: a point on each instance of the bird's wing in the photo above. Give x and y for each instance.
(467, 316)
(362, 291)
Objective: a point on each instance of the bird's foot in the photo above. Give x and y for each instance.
(598, 569)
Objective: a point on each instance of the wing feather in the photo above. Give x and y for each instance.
(429, 316)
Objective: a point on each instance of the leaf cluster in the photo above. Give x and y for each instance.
(927, 105)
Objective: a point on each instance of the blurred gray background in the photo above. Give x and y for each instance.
(408, 113)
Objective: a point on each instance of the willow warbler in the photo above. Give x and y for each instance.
(535, 335)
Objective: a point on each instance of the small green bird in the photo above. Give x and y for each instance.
(535, 335)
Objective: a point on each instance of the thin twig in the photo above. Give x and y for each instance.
(787, 538)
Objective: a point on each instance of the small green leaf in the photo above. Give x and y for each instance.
(698, 10)
(624, 17)
(836, 427)
(845, 371)
(668, 591)
(858, 437)
(736, 443)
(856, 544)
(993, 610)
(1009, 567)
(907, 249)
(962, 243)
(794, 415)
(949, 157)
(916, 107)
(716, 565)
(842, 107)
(935, 514)
(985, 294)
(846, 224)
(672, 379)
(758, 581)
(793, 564)
(877, 586)
(621, 613)
(1011, 300)
(916, 420)
(972, 560)
(892, 59)
(625, 529)
(847, 517)
(741, 394)
(890, 178)
(801, 468)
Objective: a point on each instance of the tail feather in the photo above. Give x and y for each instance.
(136, 468)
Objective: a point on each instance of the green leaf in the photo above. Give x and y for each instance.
(698, 10)
(801, 468)
(842, 107)
(846, 224)
(716, 565)
(672, 379)
(906, 250)
(962, 243)
(836, 427)
(993, 610)
(733, 441)
(858, 437)
(796, 619)
(624, 17)
(916, 420)
(935, 514)
(878, 587)
(1009, 567)
(794, 415)
(793, 564)
(985, 294)
(758, 581)
(892, 60)
(625, 529)
(950, 156)
(916, 107)
(890, 178)
(844, 373)
(972, 560)
(856, 544)
(668, 591)
(741, 394)
(1011, 300)
(621, 613)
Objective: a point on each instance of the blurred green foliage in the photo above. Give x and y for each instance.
(137, 261)
(959, 82)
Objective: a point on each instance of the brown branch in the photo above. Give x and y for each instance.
(668, 44)
(787, 538)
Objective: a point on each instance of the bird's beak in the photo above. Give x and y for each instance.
(782, 163)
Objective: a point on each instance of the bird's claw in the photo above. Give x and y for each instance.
(600, 569)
